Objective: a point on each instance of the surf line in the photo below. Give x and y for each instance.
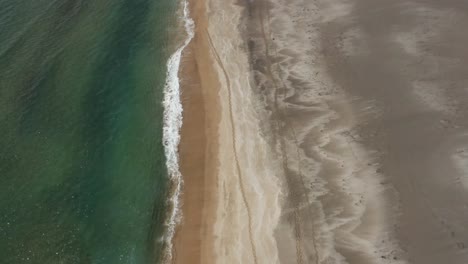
(172, 119)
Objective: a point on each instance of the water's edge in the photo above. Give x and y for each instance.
(171, 133)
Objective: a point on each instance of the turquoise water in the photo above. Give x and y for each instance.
(82, 174)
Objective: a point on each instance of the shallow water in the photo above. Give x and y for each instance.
(82, 174)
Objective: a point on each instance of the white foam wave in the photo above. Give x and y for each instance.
(171, 131)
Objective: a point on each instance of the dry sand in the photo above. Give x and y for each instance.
(327, 131)
(248, 201)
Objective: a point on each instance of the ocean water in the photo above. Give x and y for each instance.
(83, 175)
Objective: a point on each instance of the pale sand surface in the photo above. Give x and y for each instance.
(340, 134)
(248, 202)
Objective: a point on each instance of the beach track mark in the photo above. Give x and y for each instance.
(234, 143)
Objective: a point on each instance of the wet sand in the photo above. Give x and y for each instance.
(198, 147)
(338, 136)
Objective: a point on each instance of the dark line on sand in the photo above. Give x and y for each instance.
(234, 143)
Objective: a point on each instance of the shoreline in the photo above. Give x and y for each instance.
(199, 143)
(172, 117)
(235, 170)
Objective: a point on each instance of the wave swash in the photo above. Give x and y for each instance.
(171, 132)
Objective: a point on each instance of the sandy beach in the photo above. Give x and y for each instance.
(324, 132)
(199, 147)
(231, 194)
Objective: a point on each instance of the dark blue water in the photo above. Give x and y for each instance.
(82, 174)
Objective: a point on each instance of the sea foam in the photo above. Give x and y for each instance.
(171, 131)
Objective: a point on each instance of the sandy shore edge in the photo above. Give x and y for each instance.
(198, 148)
(231, 194)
